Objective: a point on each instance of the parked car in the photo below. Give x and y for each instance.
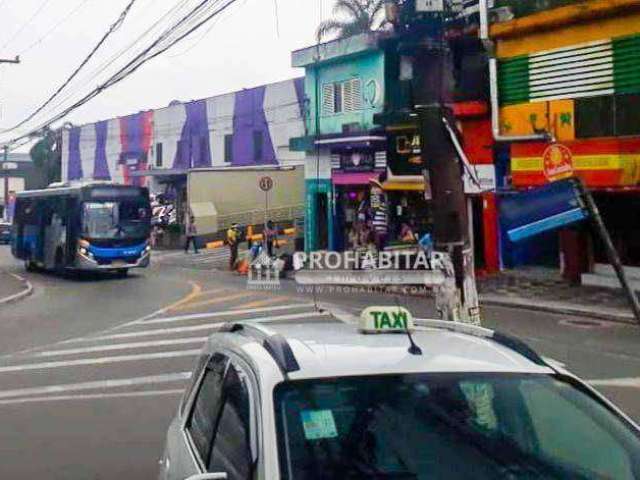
(5, 233)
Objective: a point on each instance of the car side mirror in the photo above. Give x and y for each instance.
(208, 476)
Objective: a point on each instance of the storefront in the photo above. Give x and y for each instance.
(610, 167)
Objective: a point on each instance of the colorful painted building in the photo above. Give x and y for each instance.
(251, 127)
(344, 90)
(574, 72)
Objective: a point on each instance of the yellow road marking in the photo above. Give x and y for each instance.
(262, 303)
(215, 301)
(196, 290)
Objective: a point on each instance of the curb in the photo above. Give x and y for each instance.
(558, 308)
(28, 290)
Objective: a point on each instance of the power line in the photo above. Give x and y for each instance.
(164, 42)
(71, 13)
(25, 25)
(112, 28)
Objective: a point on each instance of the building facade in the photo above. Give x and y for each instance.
(158, 148)
(574, 72)
(344, 90)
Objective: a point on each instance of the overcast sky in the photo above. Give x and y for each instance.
(243, 48)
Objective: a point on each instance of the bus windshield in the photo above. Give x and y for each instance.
(128, 219)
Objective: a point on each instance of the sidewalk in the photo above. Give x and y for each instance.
(545, 290)
(13, 288)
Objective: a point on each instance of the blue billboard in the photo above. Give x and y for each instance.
(530, 213)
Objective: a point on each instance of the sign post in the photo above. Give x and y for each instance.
(266, 185)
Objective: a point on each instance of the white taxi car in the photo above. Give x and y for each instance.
(391, 398)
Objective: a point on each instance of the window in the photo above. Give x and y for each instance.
(204, 415)
(606, 116)
(328, 99)
(231, 453)
(228, 148)
(257, 145)
(337, 98)
(159, 155)
(628, 114)
(342, 97)
(197, 371)
(594, 117)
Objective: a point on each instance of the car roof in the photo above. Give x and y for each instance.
(328, 346)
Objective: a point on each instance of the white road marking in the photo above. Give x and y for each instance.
(194, 328)
(120, 346)
(229, 313)
(98, 361)
(96, 385)
(97, 396)
(616, 382)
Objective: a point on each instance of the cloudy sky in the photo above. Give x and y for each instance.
(245, 47)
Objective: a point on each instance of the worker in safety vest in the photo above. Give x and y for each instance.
(233, 240)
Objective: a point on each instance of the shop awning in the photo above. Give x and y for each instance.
(360, 178)
(395, 185)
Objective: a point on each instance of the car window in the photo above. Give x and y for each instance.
(449, 426)
(231, 452)
(195, 378)
(599, 452)
(204, 415)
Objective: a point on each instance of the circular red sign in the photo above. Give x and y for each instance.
(557, 162)
(266, 184)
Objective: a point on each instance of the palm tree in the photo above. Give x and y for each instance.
(353, 17)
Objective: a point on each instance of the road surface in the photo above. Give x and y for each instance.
(92, 369)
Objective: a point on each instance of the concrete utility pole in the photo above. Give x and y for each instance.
(457, 299)
(6, 179)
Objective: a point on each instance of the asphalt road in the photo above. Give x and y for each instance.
(92, 369)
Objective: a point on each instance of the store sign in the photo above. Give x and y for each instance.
(485, 176)
(429, 6)
(553, 206)
(357, 162)
(557, 162)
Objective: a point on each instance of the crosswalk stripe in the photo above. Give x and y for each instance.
(616, 382)
(120, 346)
(214, 301)
(99, 361)
(97, 385)
(262, 303)
(243, 310)
(94, 396)
(195, 328)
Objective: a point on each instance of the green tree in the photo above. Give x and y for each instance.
(46, 155)
(353, 17)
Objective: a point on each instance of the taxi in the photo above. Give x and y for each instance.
(387, 396)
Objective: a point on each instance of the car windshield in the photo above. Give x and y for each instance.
(115, 220)
(450, 426)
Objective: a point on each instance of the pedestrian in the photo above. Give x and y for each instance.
(380, 215)
(270, 235)
(192, 233)
(233, 239)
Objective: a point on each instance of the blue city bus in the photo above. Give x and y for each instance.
(96, 227)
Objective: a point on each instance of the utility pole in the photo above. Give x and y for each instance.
(6, 149)
(457, 298)
(15, 60)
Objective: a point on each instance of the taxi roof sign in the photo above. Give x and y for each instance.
(386, 320)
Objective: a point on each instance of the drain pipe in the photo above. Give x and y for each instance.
(493, 85)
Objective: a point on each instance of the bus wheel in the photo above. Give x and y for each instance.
(29, 266)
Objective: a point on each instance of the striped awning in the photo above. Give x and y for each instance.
(603, 67)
